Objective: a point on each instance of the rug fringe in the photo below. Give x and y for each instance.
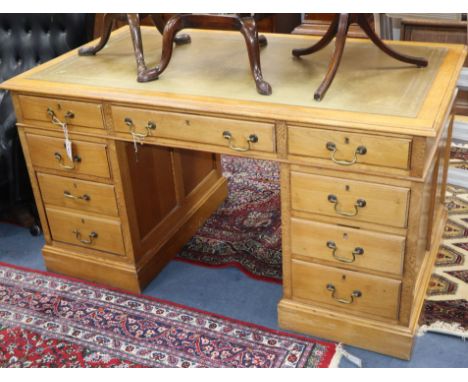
(340, 352)
(451, 329)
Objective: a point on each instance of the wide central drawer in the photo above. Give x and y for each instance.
(93, 232)
(349, 149)
(347, 246)
(244, 135)
(88, 158)
(350, 199)
(354, 292)
(78, 194)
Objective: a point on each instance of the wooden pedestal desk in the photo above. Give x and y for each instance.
(363, 172)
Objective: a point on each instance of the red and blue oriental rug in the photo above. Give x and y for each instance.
(52, 321)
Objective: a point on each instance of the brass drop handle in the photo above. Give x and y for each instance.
(84, 197)
(149, 126)
(61, 162)
(355, 294)
(251, 139)
(68, 115)
(93, 235)
(357, 251)
(360, 203)
(360, 150)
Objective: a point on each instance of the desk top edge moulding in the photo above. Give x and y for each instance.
(363, 173)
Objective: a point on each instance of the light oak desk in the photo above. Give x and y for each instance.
(362, 173)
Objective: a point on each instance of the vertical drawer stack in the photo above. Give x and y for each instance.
(77, 194)
(347, 231)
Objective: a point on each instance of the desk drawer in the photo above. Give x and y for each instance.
(93, 232)
(352, 291)
(195, 128)
(75, 113)
(348, 246)
(89, 158)
(347, 149)
(350, 199)
(78, 194)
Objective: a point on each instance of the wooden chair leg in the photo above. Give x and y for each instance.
(364, 24)
(158, 22)
(174, 25)
(133, 20)
(322, 43)
(108, 22)
(336, 58)
(249, 31)
(246, 26)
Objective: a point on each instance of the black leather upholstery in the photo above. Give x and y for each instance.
(27, 40)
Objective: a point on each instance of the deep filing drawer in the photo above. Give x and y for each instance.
(88, 158)
(350, 199)
(352, 291)
(75, 113)
(238, 135)
(93, 232)
(78, 194)
(348, 149)
(347, 246)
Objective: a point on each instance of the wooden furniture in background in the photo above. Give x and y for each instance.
(269, 22)
(363, 173)
(339, 28)
(442, 31)
(317, 24)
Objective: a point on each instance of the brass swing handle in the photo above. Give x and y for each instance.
(251, 139)
(84, 197)
(357, 251)
(68, 115)
(360, 150)
(149, 126)
(58, 157)
(93, 235)
(360, 203)
(355, 294)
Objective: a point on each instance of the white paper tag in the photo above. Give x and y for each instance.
(136, 140)
(352, 358)
(68, 149)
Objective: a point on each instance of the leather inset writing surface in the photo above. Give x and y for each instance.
(216, 65)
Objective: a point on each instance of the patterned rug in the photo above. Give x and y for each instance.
(245, 232)
(446, 306)
(52, 321)
(459, 155)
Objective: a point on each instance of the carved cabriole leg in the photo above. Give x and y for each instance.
(249, 31)
(159, 24)
(108, 22)
(174, 25)
(336, 58)
(246, 26)
(135, 32)
(364, 24)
